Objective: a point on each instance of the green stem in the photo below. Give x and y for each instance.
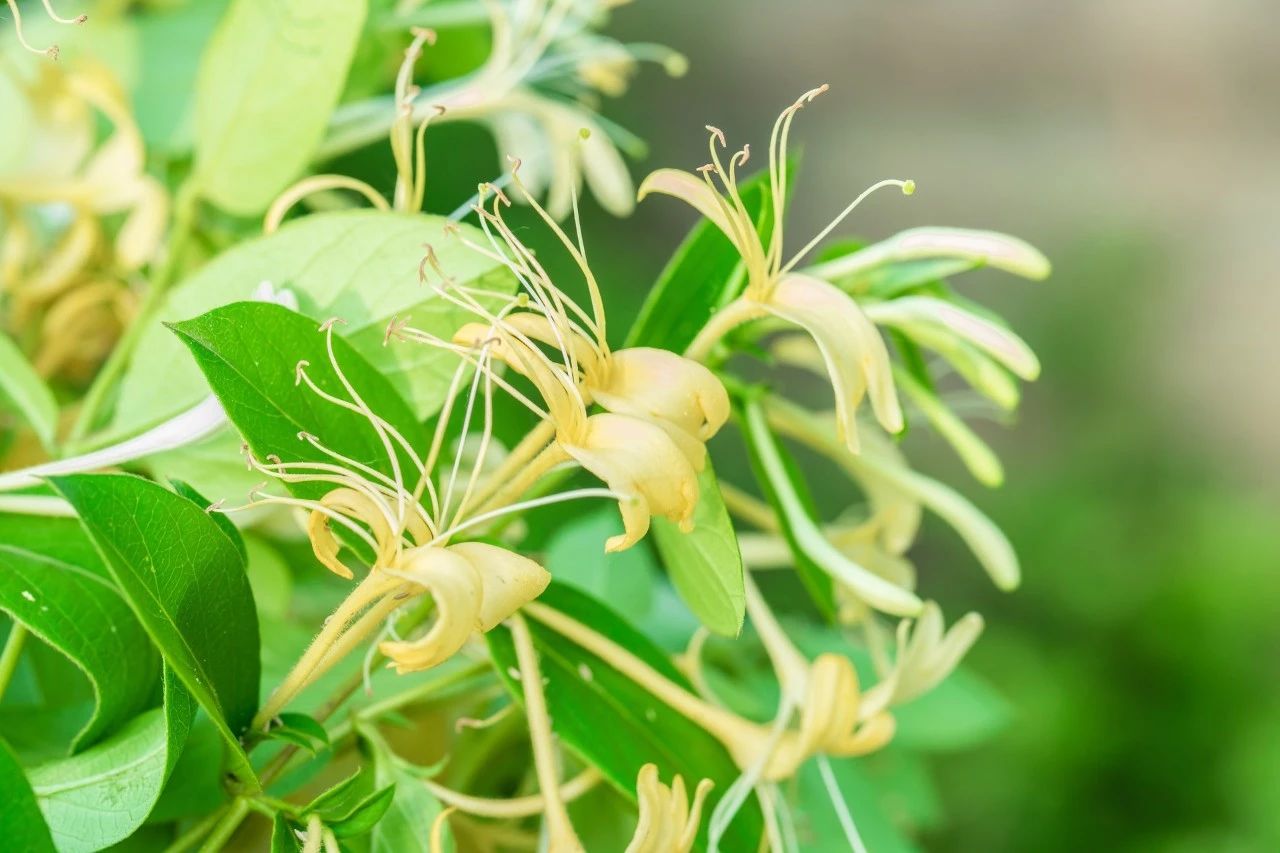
(226, 827)
(162, 277)
(9, 657)
(199, 830)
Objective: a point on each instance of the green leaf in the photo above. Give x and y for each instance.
(575, 555)
(283, 839)
(186, 583)
(359, 265)
(365, 815)
(22, 825)
(705, 564)
(586, 697)
(267, 85)
(99, 797)
(224, 524)
(26, 391)
(704, 275)
(54, 584)
(406, 826)
(300, 730)
(339, 799)
(249, 353)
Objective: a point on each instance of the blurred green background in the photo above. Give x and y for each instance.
(1135, 142)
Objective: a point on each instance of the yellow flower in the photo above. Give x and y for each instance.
(855, 356)
(927, 654)
(660, 407)
(668, 821)
(475, 587)
(66, 273)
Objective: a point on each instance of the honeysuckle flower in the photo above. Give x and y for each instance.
(407, 518)
(668, 820)
(855, 356)
(885, 475)
(67, 275)
(828, 700)
(660, 407)
(535, 91)
(927, 653)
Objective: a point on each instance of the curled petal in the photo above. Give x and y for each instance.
(458, 591)
(668, 822)
(641, 462)
(693, 190)
(356, 505)
(663, 385)
(927, 654)
(475, 587)
(855, 355)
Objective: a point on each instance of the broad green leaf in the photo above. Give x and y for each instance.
(586, 697)
(268, 82)
(301, 730)
(99, 797)
(170, 42)
(54, 584)
(361, 266)
(249, 353)
(705, 564)
(283, 839)
(26, 391)
(575, 555)
(224, 523)
(365, 815)
(22, 825)
(704, 275)
(186, 583)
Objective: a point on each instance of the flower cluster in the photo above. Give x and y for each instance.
(67, 278)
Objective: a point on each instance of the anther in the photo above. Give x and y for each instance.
(216, 506)
(298, 369)
(328, 325)
(719, 135)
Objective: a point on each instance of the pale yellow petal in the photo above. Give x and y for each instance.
(855, 355)
(509, 580)
(143, 230)
(694, 191)
(457, 588)
(355, 505)
(640, 461)
(663, 385)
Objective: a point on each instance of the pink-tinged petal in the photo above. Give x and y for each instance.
(854, 353)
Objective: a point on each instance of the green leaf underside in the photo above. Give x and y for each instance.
(267, 84)
(26, 391)
(249, 352)
(704, 275)
(360, 266)
(186, 582)
(74, 606)
(705, 564)
(614, 724)
(21, 825)
(101, 796)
